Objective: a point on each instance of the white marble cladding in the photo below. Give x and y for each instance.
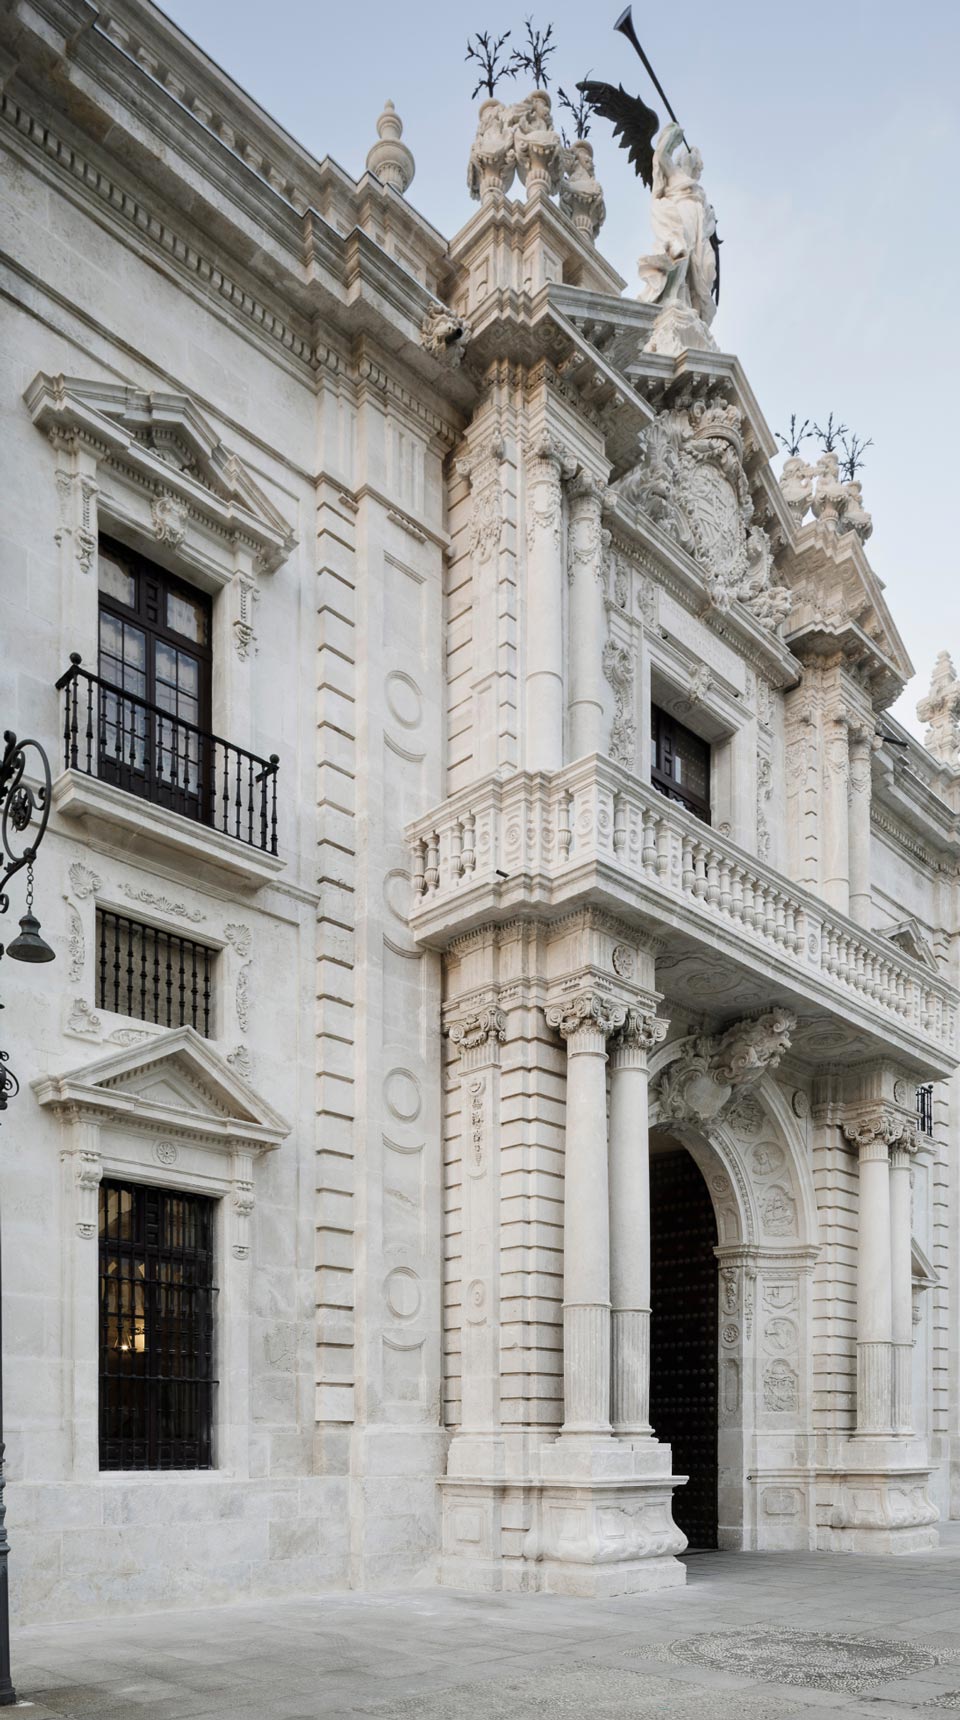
(549, 840)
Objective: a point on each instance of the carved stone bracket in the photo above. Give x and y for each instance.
(481, 1029)
(703, 1081)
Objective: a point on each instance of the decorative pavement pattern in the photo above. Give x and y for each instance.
(582, 1690)
(817, 1660)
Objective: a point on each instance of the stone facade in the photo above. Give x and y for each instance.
(464, 521)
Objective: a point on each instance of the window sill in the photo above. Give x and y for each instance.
(147, 828)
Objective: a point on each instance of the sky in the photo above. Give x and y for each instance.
(830, 136)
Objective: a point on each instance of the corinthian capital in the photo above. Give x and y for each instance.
(472, 1031)
(587, 1012)
(880, 1127)
(642, 1031)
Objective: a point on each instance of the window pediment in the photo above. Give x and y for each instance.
(908, 937)
(176, 1081)
(170, 448)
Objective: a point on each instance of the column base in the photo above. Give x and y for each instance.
(879, 1499)
(588, 1517)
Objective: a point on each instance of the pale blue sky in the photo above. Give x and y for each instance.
(830, 135)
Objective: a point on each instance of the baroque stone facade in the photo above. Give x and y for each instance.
(479, 538)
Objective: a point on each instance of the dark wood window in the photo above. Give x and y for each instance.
(153, 975)
(680, 764)
(157, 1300)
(154, 647)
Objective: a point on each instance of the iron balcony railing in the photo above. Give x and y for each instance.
(120, 738)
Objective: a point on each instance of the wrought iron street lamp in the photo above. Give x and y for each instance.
(24, 812)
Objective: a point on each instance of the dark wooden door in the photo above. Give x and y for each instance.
(683, 1337)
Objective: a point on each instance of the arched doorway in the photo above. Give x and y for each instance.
(683, 1333)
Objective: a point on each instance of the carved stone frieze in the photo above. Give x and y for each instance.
(692, 483)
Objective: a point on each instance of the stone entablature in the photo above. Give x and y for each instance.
(553, 841)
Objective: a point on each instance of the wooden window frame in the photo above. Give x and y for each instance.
(665, 730)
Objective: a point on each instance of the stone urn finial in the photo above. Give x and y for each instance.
(391, 160)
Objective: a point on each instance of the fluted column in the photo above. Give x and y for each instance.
(587, 628)
(858, 812)
(901, 1266)
(547, 464)
(630, 1223)
(585, 1023)
(874, 1284)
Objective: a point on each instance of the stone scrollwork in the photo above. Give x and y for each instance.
(692, 483)
(618, 668)
(642, 1031)
(702, 1083)
(881, 1127)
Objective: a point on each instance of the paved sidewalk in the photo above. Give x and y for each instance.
(752, 1637)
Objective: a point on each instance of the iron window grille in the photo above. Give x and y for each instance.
(680, 764)
(157, 1301)
(925, 1108)
(152, 975)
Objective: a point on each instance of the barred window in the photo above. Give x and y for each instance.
(925, 1108)
(157, 1300)
(153, 975)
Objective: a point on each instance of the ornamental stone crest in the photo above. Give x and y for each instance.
(691, 482)
(444, 335)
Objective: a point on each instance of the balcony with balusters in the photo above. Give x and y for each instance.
(163, 780)
(540, 845)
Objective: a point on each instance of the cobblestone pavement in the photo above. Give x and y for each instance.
(752, 1637)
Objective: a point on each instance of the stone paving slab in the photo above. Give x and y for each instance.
(752, 1637)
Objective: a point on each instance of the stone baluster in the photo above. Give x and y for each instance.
(585, 1022)
(588, 621)
(901, 1265)
(630, 1223)
(547, 464)
(874, 1278)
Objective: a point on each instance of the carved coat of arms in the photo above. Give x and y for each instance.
(691, 482)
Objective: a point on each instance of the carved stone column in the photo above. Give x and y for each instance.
(630, 1224)
(586, 1022)
(901, 1265)
(860, 753)
(874, 1286)
(478, 1037)
(587, 625)
(547, 464)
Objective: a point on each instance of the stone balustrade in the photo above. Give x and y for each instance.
(541, 842)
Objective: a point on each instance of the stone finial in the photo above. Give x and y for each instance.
(391, 160)
(940, 710)
(581, 197)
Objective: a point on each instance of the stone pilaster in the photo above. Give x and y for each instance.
(547, 464)
(860, 753)
(478, 1037)
(586, 1021)
(587, 623)
(630, 1223)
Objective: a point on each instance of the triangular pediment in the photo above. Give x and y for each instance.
(922, 1269)
(907, 936)
(178, 1080)
(161, 436)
